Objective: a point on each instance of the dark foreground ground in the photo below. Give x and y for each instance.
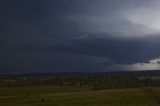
(78, 96)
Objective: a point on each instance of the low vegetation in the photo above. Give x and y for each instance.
(98, 81)
(100, 89)
(78, 96)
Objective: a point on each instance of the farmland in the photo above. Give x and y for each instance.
(77, 96)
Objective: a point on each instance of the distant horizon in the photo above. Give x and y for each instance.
(70, 72)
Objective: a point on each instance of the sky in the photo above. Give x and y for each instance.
(79, 35)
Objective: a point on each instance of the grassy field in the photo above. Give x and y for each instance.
(82, 96)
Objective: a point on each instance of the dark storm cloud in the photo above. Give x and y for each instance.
(118, 50)
(60, 19)
(65, 35)
(124, 51)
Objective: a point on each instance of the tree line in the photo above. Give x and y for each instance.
(97, 82)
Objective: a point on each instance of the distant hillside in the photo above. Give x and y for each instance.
(149, 73)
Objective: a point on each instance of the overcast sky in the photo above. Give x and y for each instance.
(79, 35)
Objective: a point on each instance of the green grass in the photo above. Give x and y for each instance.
(74, 96)
(12, 91)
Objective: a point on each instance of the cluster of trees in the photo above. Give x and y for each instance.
(125, 81)
(97, 81)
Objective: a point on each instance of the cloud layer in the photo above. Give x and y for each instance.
(77, 35)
